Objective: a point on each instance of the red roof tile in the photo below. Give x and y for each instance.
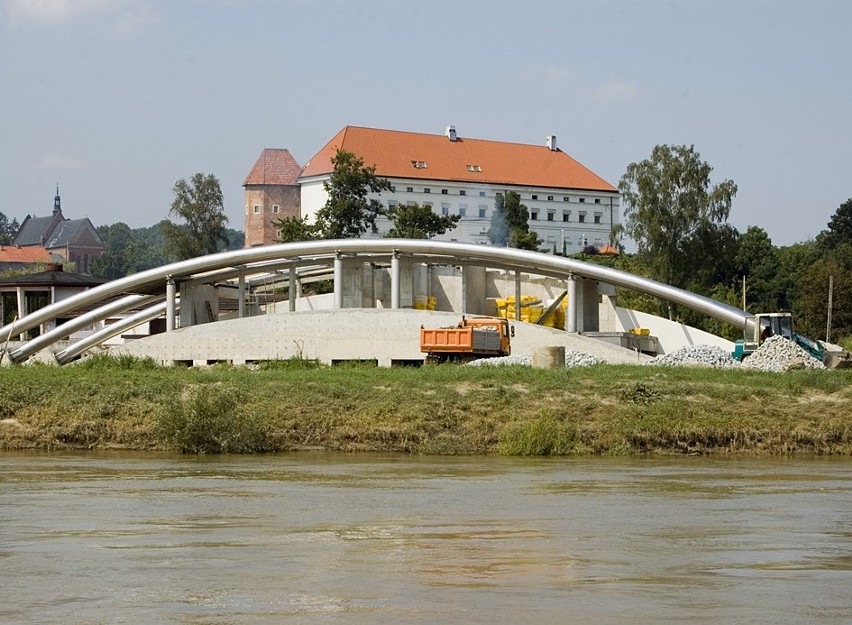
(274, 166)
(29, 254)
(465, 160)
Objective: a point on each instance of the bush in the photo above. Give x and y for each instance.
(212, 419)
(545, 436)
(124, 362)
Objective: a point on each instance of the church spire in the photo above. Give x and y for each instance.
(56, 202)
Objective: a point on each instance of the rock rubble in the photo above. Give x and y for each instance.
(573, 358)
(697, 355)
(778, 354)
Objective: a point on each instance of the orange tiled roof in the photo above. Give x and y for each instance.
(29, 254)
(274, 166)
(464, 160)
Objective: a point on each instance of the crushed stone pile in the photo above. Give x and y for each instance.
(778, 354)
(697, 355)
(573, 358)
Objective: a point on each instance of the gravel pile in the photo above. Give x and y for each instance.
(778, 354)
(573, 358)
(697, 355)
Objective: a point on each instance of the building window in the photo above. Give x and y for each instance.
(597, 218)
(582, 200)
(445, 191)
(535, 197)
(550, 215)
(566, 215)
(462, 192)
(256, 209)
(275, 209)
(482, 194)
(392, 204)
(427, 190)
(474, 168)
(566, 199)
(445, 209)
(581, 218)
(409, 189)
(597, 200)
(462, 211)
(549, 198)
(418, 164)
(482, 210)
(533, 216)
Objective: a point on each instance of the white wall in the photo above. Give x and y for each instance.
(473, 229)
(671, 335)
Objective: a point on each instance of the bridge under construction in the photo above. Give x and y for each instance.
(250, 305)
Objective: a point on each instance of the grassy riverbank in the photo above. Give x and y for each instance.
(130, 404)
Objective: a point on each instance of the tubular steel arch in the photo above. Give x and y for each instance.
(150, 285)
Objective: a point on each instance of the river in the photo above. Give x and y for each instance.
(329, 538)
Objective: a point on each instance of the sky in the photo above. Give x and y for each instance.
(116, 100)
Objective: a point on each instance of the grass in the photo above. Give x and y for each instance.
(447, 409)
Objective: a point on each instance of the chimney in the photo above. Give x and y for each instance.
(451, 133)
(550, 141)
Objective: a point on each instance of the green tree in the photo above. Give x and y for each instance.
(812, 301)
(674, 214)
(199, 204)
(8, 229)
(413, 221)
(349, 212)
(756, 263)
(839, 227)
(510, 223)
(292, 229)
(128, 250)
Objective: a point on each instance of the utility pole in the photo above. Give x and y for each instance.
(830, 298)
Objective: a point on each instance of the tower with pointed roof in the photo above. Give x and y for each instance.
(272, 193)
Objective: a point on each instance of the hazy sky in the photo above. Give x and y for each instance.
(115, 100)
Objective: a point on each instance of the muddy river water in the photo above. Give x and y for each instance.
(326, 538)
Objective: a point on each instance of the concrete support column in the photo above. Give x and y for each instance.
(241, 310)
(395, 280)
(571, 310)
(338, 281)
(517, 295)
(463, 291)
(171, 295)
(22, 308)
(291, 288)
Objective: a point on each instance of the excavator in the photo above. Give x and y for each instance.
(761, 326)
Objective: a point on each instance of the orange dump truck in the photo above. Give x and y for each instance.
(472, 338)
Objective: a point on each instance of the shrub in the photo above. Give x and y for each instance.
(545, 436)
(212, 419)
(124, 362)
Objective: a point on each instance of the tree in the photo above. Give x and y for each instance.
(8, 229)
(413, 221)
(839, 228)
(510, 223)
(292, 229)
(199, 203)
(674, 214)
(812, 301)
(757, 261)
(348, 213)
(128, 250)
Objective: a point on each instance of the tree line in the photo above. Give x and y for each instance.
(675, 214)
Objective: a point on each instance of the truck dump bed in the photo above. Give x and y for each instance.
(460, 340)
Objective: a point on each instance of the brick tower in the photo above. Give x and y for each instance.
(272, 193)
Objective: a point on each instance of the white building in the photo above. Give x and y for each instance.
(570, 206)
